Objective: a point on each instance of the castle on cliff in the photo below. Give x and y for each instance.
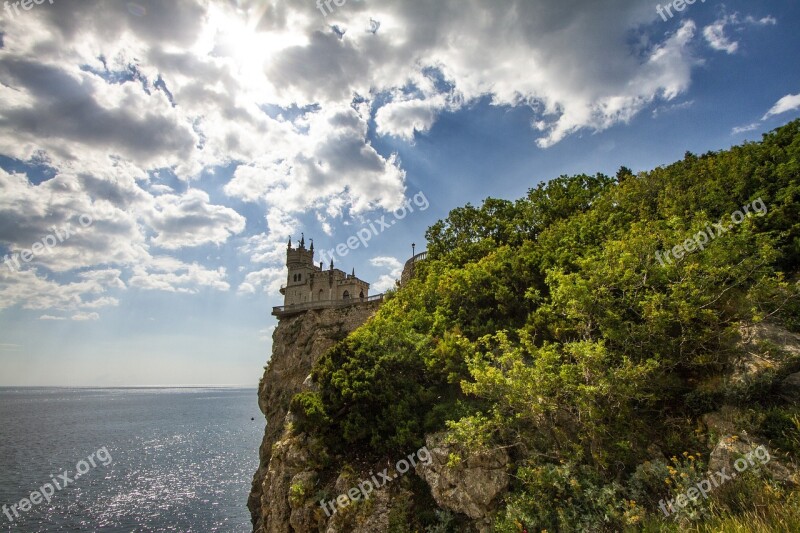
(310, 286)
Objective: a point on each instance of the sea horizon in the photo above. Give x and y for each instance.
(181, 458)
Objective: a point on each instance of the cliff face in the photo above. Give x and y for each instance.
(298, 342)
(287, 485)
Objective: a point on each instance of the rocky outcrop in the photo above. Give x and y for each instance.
(736, 453)
(285, 486)
(790, 388)
(765, 348)
(784, 339)
(756, 358)
(371, 515)
(292, 492)
(297, 343)
(469, 487)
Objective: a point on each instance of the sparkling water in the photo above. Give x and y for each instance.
(181, 459)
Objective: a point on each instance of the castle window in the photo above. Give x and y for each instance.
(346, 295)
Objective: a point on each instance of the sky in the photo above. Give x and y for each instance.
(156, 156)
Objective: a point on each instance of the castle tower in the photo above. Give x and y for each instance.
(300, 263)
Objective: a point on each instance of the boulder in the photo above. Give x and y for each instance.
(790, 388)
(470, 487)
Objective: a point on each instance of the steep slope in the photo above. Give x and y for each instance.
(297, 343)
(578, 360)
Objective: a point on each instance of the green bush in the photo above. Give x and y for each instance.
(564, 498)
(782, 428)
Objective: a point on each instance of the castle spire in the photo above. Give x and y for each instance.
(312, 248)
(302, 241)
(331, 263)
(290, 242)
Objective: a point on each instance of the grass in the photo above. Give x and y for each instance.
(775, 517)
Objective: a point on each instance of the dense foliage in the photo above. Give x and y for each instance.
(547, 325)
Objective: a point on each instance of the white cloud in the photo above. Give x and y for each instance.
(108, 278)
(660, 110)
(269, 280)
(224, 64)
(105, 301)
(715, 36)
(85, 316)
(769, 20)
(51, 317)
(333, 158)
(715, 33)
(270, 247)
(743, 129)
(386, 281)
(31, 291)
(190, 220)
(403, 118)
(327, 228)
(790, 102)
(116, 102)
(30, 213)
(168, 274)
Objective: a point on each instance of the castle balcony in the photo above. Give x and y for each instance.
(408, 269)
(289, 310)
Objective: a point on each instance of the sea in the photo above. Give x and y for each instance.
(149, 459)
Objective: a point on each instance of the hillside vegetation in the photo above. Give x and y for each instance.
(550, 327)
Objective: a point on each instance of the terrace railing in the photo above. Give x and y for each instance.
(287, 310)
